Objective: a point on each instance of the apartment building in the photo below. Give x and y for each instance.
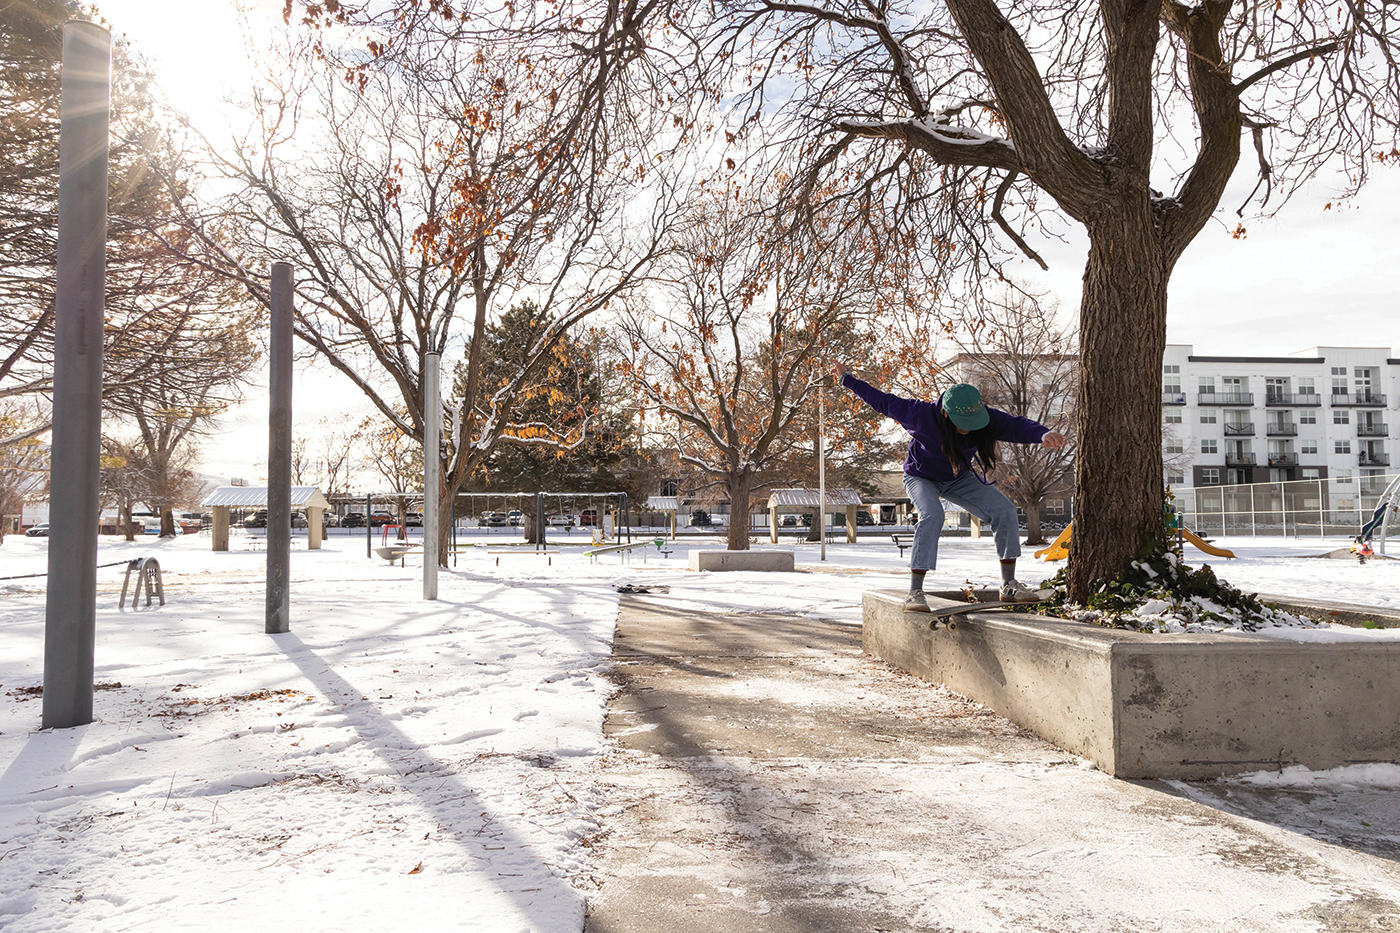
(1323, 413)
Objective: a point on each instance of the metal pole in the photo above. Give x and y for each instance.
(1322, 513)
(70, 620)
(432, 465)
(821, 468)
(369, 526)
(279, 453)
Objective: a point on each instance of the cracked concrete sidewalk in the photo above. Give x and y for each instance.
(767, 776)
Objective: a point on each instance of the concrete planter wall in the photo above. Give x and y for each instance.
(714, 559)
(1157, 706)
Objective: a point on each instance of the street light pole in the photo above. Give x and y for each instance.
(821, 467)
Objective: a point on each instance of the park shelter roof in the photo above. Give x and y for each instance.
(808, 498)
(663, 504)
(242, 497)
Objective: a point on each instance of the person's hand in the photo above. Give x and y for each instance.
(838, 369)
(1054, 440)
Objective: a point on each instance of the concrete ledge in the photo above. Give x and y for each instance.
(1340, 613)
(714, 559)
(1157, 706)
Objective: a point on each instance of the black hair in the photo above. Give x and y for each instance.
(952, 443)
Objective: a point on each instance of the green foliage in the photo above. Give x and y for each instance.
(1196, 593)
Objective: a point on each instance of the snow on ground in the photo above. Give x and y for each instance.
(388, 751)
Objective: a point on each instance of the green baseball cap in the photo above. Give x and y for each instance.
(962, 403)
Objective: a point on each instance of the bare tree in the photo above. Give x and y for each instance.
(1022, 358)
(438, 173)
(157, 305)
(24, 464)
(958, 118)
(729, 352)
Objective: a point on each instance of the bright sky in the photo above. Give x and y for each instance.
(1311, 277)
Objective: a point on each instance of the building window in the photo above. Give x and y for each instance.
(1172, 415)
(1207, 416)
(1207, 384)
(1210, 476)
(1341, 417)
(1174, 448)
(1209, 446)
(1346, 505)
(1307, 386)
(1307, 416)
(1176, 479)
(1055, 506)
(1339, 370)
(1343, 476)
(1311, 473)
(1307, 446)
(1341, 447)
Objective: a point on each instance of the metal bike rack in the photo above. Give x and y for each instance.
(147, 574)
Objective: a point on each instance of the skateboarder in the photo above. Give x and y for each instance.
(952, 438)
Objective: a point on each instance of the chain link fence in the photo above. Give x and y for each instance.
(1302, 508)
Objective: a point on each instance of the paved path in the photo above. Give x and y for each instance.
(769, 777)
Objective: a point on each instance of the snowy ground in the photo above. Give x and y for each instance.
(387, 752)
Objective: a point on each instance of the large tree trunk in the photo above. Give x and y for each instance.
(739, 485)
(1123, 333)
(1033, 534)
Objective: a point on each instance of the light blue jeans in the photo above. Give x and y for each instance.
(987, 503)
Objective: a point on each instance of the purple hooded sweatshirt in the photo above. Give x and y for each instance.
(920, 419)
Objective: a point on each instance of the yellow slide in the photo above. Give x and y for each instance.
(1059, 548)
(1201, 545)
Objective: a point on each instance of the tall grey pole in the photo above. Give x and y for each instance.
(70, 619)
(279, 454)
(821, 466)
(432, 432)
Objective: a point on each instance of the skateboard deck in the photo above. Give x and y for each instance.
(948, 615)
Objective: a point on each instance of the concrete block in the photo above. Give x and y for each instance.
(1157, 706)
(713, 559)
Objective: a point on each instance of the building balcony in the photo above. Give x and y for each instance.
(1370, 459)
(1373, 430)
(1357, 400)
(1283, 460)
(1241, 429)
(1293, 400)
(1239, 460)
(1226, 399)
(1173, 398)
(1282, 429)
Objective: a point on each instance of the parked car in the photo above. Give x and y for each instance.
(494, 519)
(588, 517)
(864, 518)
(379, 519)
(40, 530)
(560, 521)
(700, 518)
(413, 519)
(257, 520)
(515, 517)
(329, 520)
(788, 521)
(352, 520)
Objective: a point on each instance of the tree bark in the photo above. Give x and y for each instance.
(1033, 534)
(1122, 336)
(739, 484)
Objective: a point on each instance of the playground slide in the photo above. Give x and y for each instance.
(1059, 548)
(1201, 545)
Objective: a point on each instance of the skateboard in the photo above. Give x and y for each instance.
(948, 616)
